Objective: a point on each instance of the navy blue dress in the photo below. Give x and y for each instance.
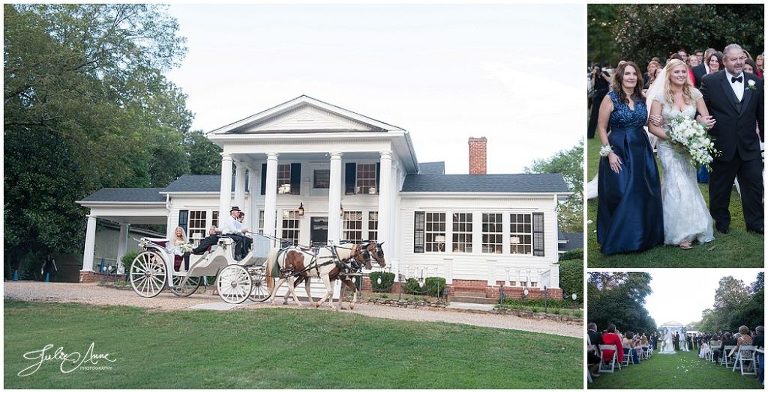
(629, 213)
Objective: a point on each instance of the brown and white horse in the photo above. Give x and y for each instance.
(325, 265)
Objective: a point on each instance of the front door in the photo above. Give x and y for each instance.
(319, 231)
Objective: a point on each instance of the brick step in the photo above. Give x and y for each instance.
(468, 293)
(472, 299)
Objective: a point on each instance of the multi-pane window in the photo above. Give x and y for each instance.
(434, 231)
(284, 179)
(322, 178)
(261, 221)
(373, 225)
(291, 226)
(418, 232)
(492, 233)
(538, 234)
(462, 232)
(366, 178)
(215, 218)
(196, 224)
(520, 234)
(353, 225)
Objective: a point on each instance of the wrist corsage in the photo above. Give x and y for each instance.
(605, 150)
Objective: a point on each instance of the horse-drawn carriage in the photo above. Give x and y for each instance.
(156, 268)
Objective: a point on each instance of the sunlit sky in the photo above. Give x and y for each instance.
(511, 73)
(682, 294)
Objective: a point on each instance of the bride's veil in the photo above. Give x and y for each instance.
(654, 90)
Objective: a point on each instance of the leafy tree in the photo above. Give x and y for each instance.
(572, 278)
(86, 107)
(601, 24)
(641, 31)
(619, 298)
(204, 155)
(570, 164)
(735, 304)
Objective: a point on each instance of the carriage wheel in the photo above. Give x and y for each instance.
(190, 286)
(234, 284)
(260, 291)
(147, 274)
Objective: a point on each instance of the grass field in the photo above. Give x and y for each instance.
(738, 248)
(683, 370)
(279, 348)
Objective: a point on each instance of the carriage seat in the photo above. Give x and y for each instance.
(162, 242)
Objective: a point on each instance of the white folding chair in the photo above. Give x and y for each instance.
(746, 354)
(603, 366)
(725, 357)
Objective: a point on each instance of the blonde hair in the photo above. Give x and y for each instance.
(687, 88)
(183, 234)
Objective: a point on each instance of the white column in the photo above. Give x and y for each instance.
(90, 244)
(334, 200)
(240, 185)
(251, 218)
(270, 197)
(385, 198)
(225, 192)
(122, 243)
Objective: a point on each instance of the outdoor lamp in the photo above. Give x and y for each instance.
(573, 296)
(301, 209)
(525, 291)
(378, 280)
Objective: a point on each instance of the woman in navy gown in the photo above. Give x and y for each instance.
(629, 214)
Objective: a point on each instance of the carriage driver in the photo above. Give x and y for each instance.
(234, 228)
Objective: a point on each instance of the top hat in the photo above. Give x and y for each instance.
(234, 208)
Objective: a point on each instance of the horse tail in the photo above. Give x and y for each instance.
(271, 258)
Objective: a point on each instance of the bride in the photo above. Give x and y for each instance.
(668, 345)
(686, 217)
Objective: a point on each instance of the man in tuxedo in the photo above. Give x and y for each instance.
(676, 341)
(703, 68)
(735, 100)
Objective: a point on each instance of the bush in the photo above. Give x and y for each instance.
(572, 278)
(387, 280)
(572, 254)
(412, 287)
(127, 260)
(434, 285)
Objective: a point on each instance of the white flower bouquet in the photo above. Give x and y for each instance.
(691, 138)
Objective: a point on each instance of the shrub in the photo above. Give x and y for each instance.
(127, 260)
(387, 280)
(434, 285)
(572, 279)
(572, 254)
(412, 287)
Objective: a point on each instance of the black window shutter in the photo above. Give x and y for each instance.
(183, 219)
(350, 178)
(295, 178)
(378, 176)
(263, 179)
(418, 232)
(538, 234)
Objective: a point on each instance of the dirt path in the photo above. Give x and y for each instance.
(95, 294)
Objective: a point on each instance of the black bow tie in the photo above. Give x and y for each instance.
(737, 79)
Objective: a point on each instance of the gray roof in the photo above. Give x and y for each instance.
(522, 183)
(432, 168)
(573, 241)
(126, 195)
(196, 183)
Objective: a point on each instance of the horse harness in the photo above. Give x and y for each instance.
(350, 266)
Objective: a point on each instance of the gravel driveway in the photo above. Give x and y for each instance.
(166, 301)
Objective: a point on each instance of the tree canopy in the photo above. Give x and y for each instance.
(639, 32)
(619, 298)
(570, 164)
(735, 304)
(87, 106)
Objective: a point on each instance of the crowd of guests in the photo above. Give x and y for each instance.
(633, 345)
(699, 63)
(708, 345)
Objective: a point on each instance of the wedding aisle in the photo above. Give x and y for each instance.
(675, 371)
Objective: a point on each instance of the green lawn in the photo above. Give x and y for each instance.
(683, 370)
(280, 348)
(738, 248)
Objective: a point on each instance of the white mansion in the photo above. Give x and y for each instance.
(309, 171)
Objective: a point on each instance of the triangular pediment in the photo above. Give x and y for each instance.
(305, 115)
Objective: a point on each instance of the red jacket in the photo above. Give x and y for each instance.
(612, 339)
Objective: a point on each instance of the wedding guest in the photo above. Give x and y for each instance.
(602, 82)
(758, 342)
(759, 62)
(208, 241)
(750, 66)
(611, 338)
(629, 216)
(652, 70)
(744, 338)
(703, 67)
(693, 61)
(715, 62)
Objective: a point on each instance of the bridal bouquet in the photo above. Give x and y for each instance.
(692, 139)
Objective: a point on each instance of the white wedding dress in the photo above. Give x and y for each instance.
(686, 217)
(668, 345)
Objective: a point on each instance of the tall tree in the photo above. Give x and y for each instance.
(204, 155)
(86, 106)
(570, 164)
(619, 298)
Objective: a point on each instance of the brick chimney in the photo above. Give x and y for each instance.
(477, 156)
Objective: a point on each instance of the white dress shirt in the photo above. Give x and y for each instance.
(738, 87)
(230, 225)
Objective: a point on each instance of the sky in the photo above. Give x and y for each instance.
(682, 294)
(512, 73)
